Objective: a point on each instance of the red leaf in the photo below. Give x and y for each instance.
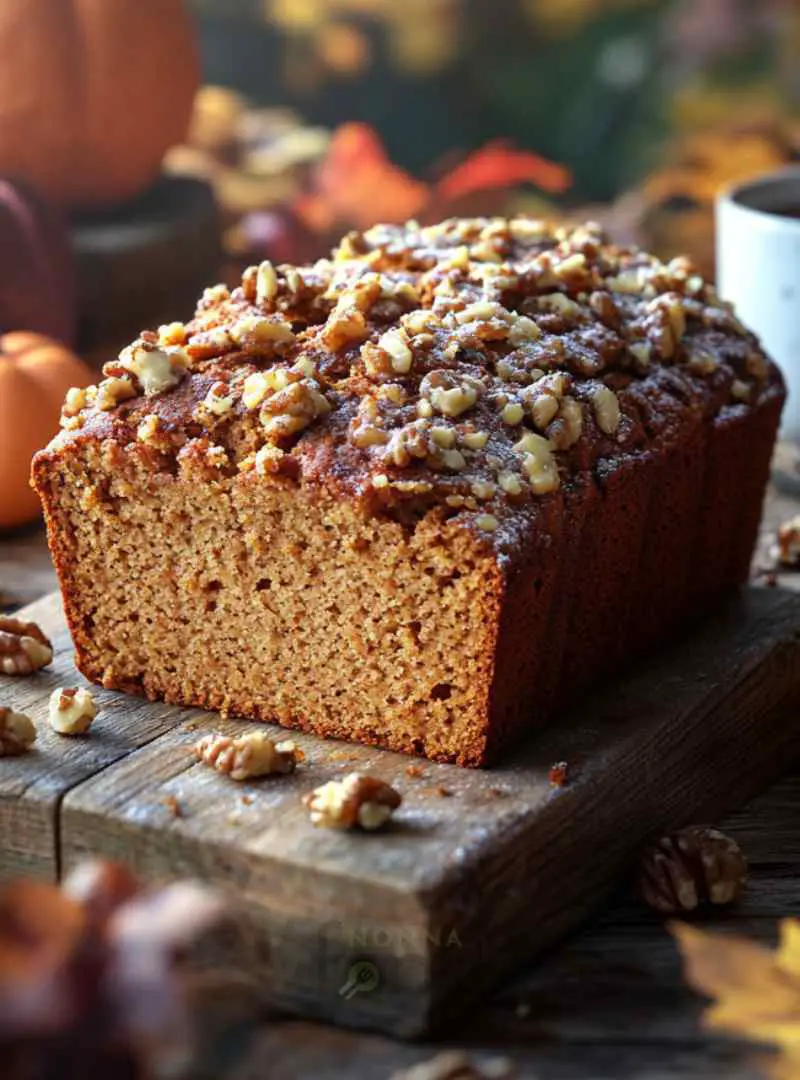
(357, 184)
(498, 166)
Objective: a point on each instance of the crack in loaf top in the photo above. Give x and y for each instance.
(477, 366)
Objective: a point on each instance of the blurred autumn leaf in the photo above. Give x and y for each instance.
(756, 991)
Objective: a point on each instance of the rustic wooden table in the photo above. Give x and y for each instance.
(609, 1003)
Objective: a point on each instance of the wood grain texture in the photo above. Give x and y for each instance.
(32, 786)
(479, 869)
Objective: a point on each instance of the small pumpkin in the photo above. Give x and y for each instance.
(37, 267)
(93, 92)
(35, 374)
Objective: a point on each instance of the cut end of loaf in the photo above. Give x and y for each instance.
(264, 600)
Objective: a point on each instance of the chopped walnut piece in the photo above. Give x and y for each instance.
(475, 440)
(606, 410)
(449, 393)
(509, 482)
(173, 333)
(257, 333)
(76, 399)
(566, 429)
(487, 522)
(266, 283)
(395, 344)
(695, 866)
(112, 391)
(71, 712)
(246, 756)
(17, 733)
(740, 391)
(156, 369)
(293, 408)
(219, 399)
(789, 543)
(538, 463)
(23, 647)
(357, 800)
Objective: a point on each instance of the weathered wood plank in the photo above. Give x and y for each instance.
(32, 786)
(464, 885)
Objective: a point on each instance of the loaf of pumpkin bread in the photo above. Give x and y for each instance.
(416, 495)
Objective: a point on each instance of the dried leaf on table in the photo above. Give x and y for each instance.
(756, 991)
(89, 974)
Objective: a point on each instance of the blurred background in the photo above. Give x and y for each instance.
(287, 122)
(346, 111)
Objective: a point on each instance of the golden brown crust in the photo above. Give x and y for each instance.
(479, 365)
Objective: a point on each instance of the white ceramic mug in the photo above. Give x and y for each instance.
(758, 270)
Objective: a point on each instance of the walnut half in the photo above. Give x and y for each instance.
(17, 733)
(71, 712)
(695, 866)
(23, 647)
(249, 755)
(356, 800)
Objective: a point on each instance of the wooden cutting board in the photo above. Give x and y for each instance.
(479, 870)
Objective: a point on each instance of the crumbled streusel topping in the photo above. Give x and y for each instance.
(473, 365)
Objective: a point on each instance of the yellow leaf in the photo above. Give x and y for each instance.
(789, 950)
(756, 991)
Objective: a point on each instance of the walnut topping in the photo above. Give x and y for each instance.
(740, 390)
(487, 522)
(266, 283)
(112, 391)
(75, 400)
(208, 344)
(256, 334)
(438, 349)
(293, 407)
(448, 393)
(219, 399)
(268, 459)
(513, 413)
(698, 865)
(17, 733)
(566, 429)
(395, 344)
(156, 369)
(247, 756)
(509, 482)
(668, 322)
(213, 296)
(257, 386)
(23, 647)
(357, 800)
(543, 400)
(538, 463)
(523, 330)
(642, 352)
(606, 409)
(173, 333)
(71, 712)
(475, 440)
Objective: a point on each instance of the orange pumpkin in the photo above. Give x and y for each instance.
(93, 93)
(35, 374)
